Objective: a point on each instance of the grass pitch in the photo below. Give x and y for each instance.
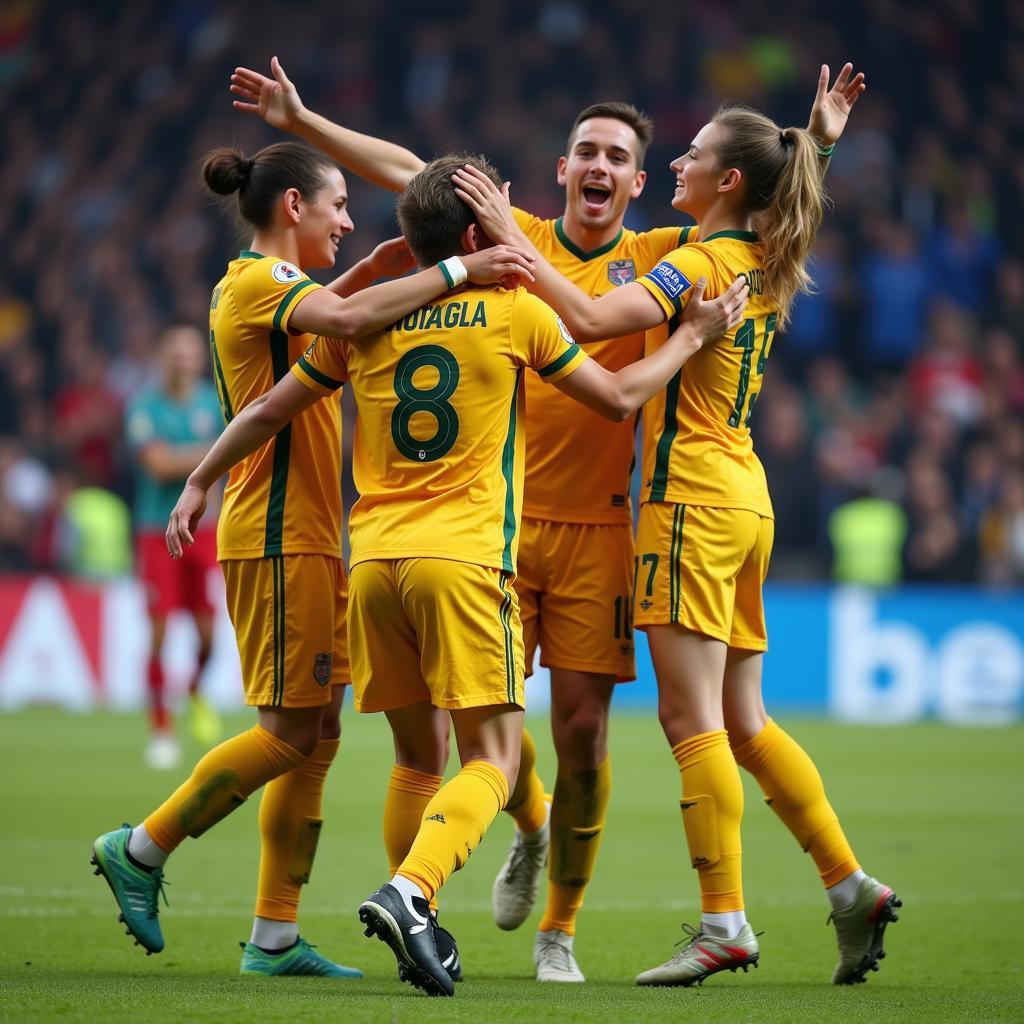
(934, 811)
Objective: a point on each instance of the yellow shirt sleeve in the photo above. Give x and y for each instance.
(322, 367)
(267, 292)
(540, 340)
(526, 221)
(672, 279)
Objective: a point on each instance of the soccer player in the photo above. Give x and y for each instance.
(170, 427)
(706, 524)
(576, 556)
(438, 462)
(279, 543)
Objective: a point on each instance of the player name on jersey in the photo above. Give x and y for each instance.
(452, 314)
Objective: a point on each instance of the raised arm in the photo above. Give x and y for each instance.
(831, 108)
(277, 101)
(616, 396)
(624, 310)
(252, 428)
(324, 312)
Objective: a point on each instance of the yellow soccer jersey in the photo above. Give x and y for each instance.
(697, 445)
(438, 449)
(578, 463)
(285, 498)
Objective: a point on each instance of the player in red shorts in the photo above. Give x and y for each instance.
(170, 426)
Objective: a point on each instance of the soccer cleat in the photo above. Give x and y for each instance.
(704, 955)
(203, 721)
(860, 928)
(552, 953)
(407, 930)
(136, 890)
(447, 950)
(162, 753)
(518, 882)
(300, 959)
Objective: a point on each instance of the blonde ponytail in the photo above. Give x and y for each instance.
(784, 191)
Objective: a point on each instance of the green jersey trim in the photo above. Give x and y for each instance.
(566, 357)
(288, 296)
(740, 236)
(321, 378)
(582, 254)
(508, 458)
(274, 532)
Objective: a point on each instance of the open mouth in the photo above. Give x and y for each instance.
(336, 239)
(596, 197)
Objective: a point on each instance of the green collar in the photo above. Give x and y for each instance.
(245, 254)
(577, 251)
(740, 236)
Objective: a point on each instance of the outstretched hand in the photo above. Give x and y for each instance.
(392, 258)
(184, 519)
(275, 99)
(489, 204)
(832, 107)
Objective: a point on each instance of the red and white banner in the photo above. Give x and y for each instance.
(82, 645)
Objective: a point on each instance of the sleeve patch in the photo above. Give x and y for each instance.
(671, 281)
(564, 331)
(285, 273)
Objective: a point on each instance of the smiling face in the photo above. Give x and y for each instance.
(324, 221)
(600, 173)
(700, 180)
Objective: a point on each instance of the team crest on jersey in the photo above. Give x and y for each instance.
(569, 340)
(323, 668)
(621, 271)
(285, 273)
(669, 279)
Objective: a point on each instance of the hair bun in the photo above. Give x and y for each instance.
(226, 171)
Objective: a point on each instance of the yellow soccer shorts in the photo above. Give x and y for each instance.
(704, 569)
(434, 629)
(289, 619)
(575, 586)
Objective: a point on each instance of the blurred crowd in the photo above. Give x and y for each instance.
(892, 419)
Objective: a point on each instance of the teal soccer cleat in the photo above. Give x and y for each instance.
(136, 890)
(300, 959)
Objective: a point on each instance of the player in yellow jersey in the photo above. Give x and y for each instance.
(438, 462)
(576, 553)
(279, 543)
(706, 525)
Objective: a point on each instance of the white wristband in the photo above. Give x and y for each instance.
(454, 271)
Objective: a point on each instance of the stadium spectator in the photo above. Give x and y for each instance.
(169, 428)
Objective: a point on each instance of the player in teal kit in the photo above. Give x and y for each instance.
(170, 427)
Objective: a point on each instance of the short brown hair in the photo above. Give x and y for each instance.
(642, 125)
(432, 217)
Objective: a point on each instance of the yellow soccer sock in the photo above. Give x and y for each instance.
(290, 820)
(453, 824)
(793, 789)
(577, 823)
(219, 783)
(527, 802)
(712, 807)
(409, 792)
